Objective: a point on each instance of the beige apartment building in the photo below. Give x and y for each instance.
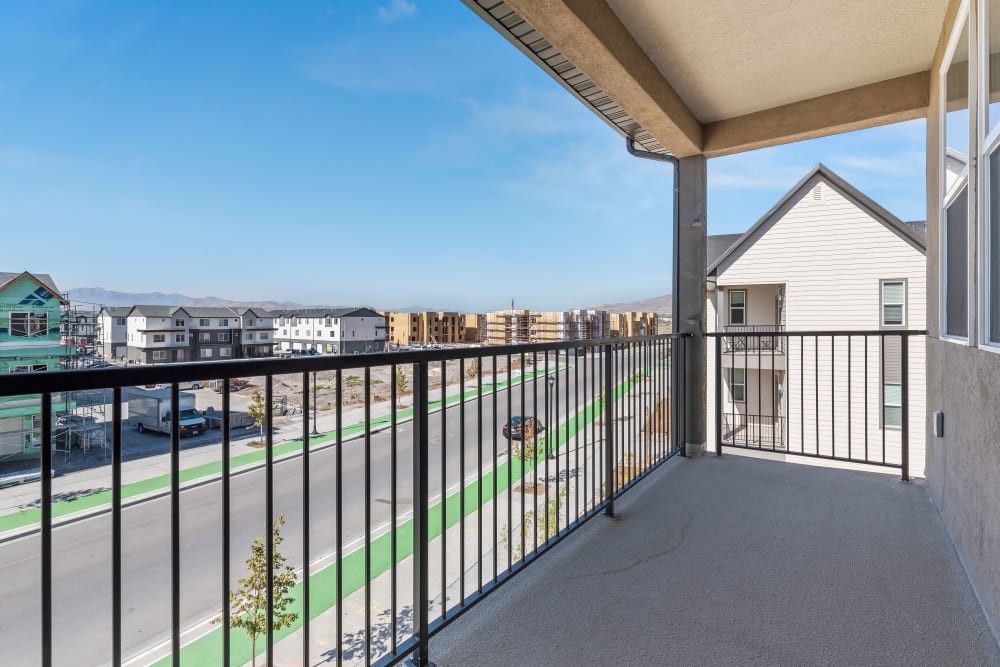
(629, 324)
(443, 327)
(513, 327)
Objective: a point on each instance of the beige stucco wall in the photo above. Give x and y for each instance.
(963, 466)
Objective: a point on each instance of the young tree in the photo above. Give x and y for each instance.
(472, 370)
(258, 412)
(400, 385)
(248, 605)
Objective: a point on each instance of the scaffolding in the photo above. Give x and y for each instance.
(79, 331)
(83, 425)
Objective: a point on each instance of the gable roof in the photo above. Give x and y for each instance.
(894, 224)
(210, 311)
(43, 280)
(718, 244)
(326, 312)
(157, 311)
(116, 311)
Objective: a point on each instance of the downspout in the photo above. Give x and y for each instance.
(676, 379)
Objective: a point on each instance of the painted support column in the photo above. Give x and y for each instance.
(690, 250)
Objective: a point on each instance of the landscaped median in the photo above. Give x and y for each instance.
(102, 499)
(207, 649)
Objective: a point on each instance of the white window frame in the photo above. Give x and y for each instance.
(159, 355)
(179, 338)
(33, 318)
(881, 302)
(204, 337)
(892, 427)
(224, 337)
(206, 353)
(733, 384)
(945, 198)
(225, 351)
(162, 338)
(989, 144)
(204, 322)
(729, 307)
(178, 323)
(224, 323)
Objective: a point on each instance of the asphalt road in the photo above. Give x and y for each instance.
(82, 563)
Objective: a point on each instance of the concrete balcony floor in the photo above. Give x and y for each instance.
(736, 561)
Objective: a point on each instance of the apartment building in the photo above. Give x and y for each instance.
(168, 334)
(112, 332)
(31, 313)
(511, 327)
(825, 257)
(633, 323)
(331, 331)
(426, 327)
(474, 325)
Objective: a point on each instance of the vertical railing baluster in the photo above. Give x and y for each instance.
(444, 491)
(305, 518)
(368, 515)
(116, 526)
(421, 463)
(548, 445)
(534, 468)
(226, 610)
(393, 499)
(609, 432)
(905, 390)
(269, 510)
(881, 389)
(175, 526)
(718, 396)
(496, 472)
(339, 511)
(510, 462)
(461, 482)
(479, 478)
(46, 529)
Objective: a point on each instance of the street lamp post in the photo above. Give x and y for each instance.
(314, 431)
(549, 410)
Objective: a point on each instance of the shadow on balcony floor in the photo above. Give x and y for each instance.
(736, 561)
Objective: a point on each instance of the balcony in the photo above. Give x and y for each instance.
(411, 522)
(734, 561)
(764, 350)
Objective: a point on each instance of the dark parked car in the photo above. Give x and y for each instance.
(513, 429)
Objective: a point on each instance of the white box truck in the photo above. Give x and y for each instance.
(149, 410)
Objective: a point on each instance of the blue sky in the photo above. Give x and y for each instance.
(392, 153)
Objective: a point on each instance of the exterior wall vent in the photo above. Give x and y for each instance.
(817, 192)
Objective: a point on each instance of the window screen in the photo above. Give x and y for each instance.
(957, 266)
(993, 293)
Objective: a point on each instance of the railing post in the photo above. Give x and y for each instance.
(609, 433)
(421, 462)
(718, 395)
(905, 426)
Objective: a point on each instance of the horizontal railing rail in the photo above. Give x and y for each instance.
(842, 395)
(496, 454)
(764, 342)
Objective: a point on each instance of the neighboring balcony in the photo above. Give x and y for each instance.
(763, 351)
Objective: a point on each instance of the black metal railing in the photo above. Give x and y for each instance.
(841, 395)
(741, 342)
(396, 524)
(763, 431)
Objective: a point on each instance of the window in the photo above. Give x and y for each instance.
(331, 335)
(249, 322)
(263, 335)
(248, 335)
(329, 322)
(178, 323)
(224, 337)
(738, 383)
(178, 338)
(29, 368)
(29, 325)
(206, 353)
(159, 338)
(159, 354)
(225, 351)
(205, 337)
(737, 307)
(121, 321)
(954, 177)
(224, 323)
(893, 303)
(204, 323)
(991, 245)
(892, 405)
(296, 332)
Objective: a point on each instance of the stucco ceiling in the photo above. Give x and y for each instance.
(727, 58)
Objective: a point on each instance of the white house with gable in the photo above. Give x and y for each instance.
(825, 258)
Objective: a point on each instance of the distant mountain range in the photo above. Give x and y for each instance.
(97, 296)
(656, 304)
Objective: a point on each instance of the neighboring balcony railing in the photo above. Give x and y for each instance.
(842, 395)
(395, 525)
(769, 342)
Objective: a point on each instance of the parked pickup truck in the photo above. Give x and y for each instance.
(149, 410)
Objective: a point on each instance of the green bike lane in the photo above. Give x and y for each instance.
(207, 471)
(207, 649)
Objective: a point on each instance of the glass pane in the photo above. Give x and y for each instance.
(737, 298)
(993, 264)
(957, 98)
(893, 394)
(893, 416)
(956, 271)
(993, 66)
(892, 314)
(892, 293)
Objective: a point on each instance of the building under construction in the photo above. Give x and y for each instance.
(516, 327)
